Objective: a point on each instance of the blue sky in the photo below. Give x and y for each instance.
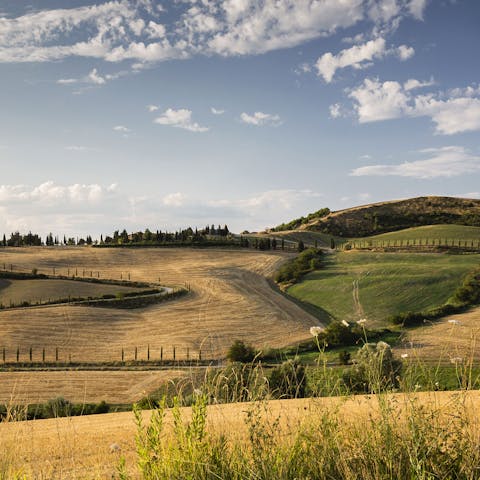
(167, 114)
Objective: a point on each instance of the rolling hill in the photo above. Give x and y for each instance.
(377, 218)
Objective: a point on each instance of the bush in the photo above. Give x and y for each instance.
(307, 261)
(239, 352)
(288, 380)
(375, 369)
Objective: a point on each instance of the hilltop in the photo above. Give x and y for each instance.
(383, 217)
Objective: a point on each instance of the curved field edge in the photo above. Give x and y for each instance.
(91, 447)
(376, 286)
(230, 299)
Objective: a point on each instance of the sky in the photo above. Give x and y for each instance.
(165, 114)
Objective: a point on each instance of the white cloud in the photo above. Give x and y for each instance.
(446, 162)
(335, 110)
(49, 192)
(121, 128)
(383, 11)
(119, 30)
(216, 111)
(417, 8)
(405, 52)
(67, 81)
(174, 199)
(412, 84)
(375, 101)
(261, 119)
(152, 108)
(454, 115)
(95, 78)
(76, 148)
(181, 118)
(357, 57)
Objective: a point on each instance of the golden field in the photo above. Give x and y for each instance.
(81, 447)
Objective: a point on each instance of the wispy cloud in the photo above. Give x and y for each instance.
(261, 119)
(216, 111)
(446, 162)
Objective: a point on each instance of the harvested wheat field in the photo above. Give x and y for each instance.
(80, 387)
(230, 299)
(452, 339)
(32, 291)
(90, 447)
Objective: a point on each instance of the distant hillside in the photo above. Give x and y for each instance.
(391, 216)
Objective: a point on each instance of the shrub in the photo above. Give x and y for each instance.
(375, 369)
(288, 380)
(239, 352)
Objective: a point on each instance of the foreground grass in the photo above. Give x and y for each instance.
(353, 285)
(414, 436)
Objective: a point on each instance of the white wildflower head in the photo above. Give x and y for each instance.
(454, 322)
(362, 321)
(418, 386)
(404, 355)
(456, 360)
(345, 323)
(315, 331)
(382, 345)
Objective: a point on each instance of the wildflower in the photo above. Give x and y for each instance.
(315, 331)
(345, 323)
(404, 355)
(456, 360)
(382, 345)
(454, 322)
(417, 387)
(362, 321)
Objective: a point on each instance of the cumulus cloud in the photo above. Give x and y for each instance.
(260, 119)
(417, 7)
(446, 162)
(405, 52)
(181, 118)
(357, 57)
(152, 108)
(120, 30)
(375, 101)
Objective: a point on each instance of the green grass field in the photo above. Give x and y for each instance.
(18, 291)
(430, 232)
(355, 285)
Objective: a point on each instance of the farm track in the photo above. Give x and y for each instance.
(230, 299)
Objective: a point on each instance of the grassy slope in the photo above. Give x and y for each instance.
(387, 283)
(38, 290)
(431, 232)
(382, 217)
